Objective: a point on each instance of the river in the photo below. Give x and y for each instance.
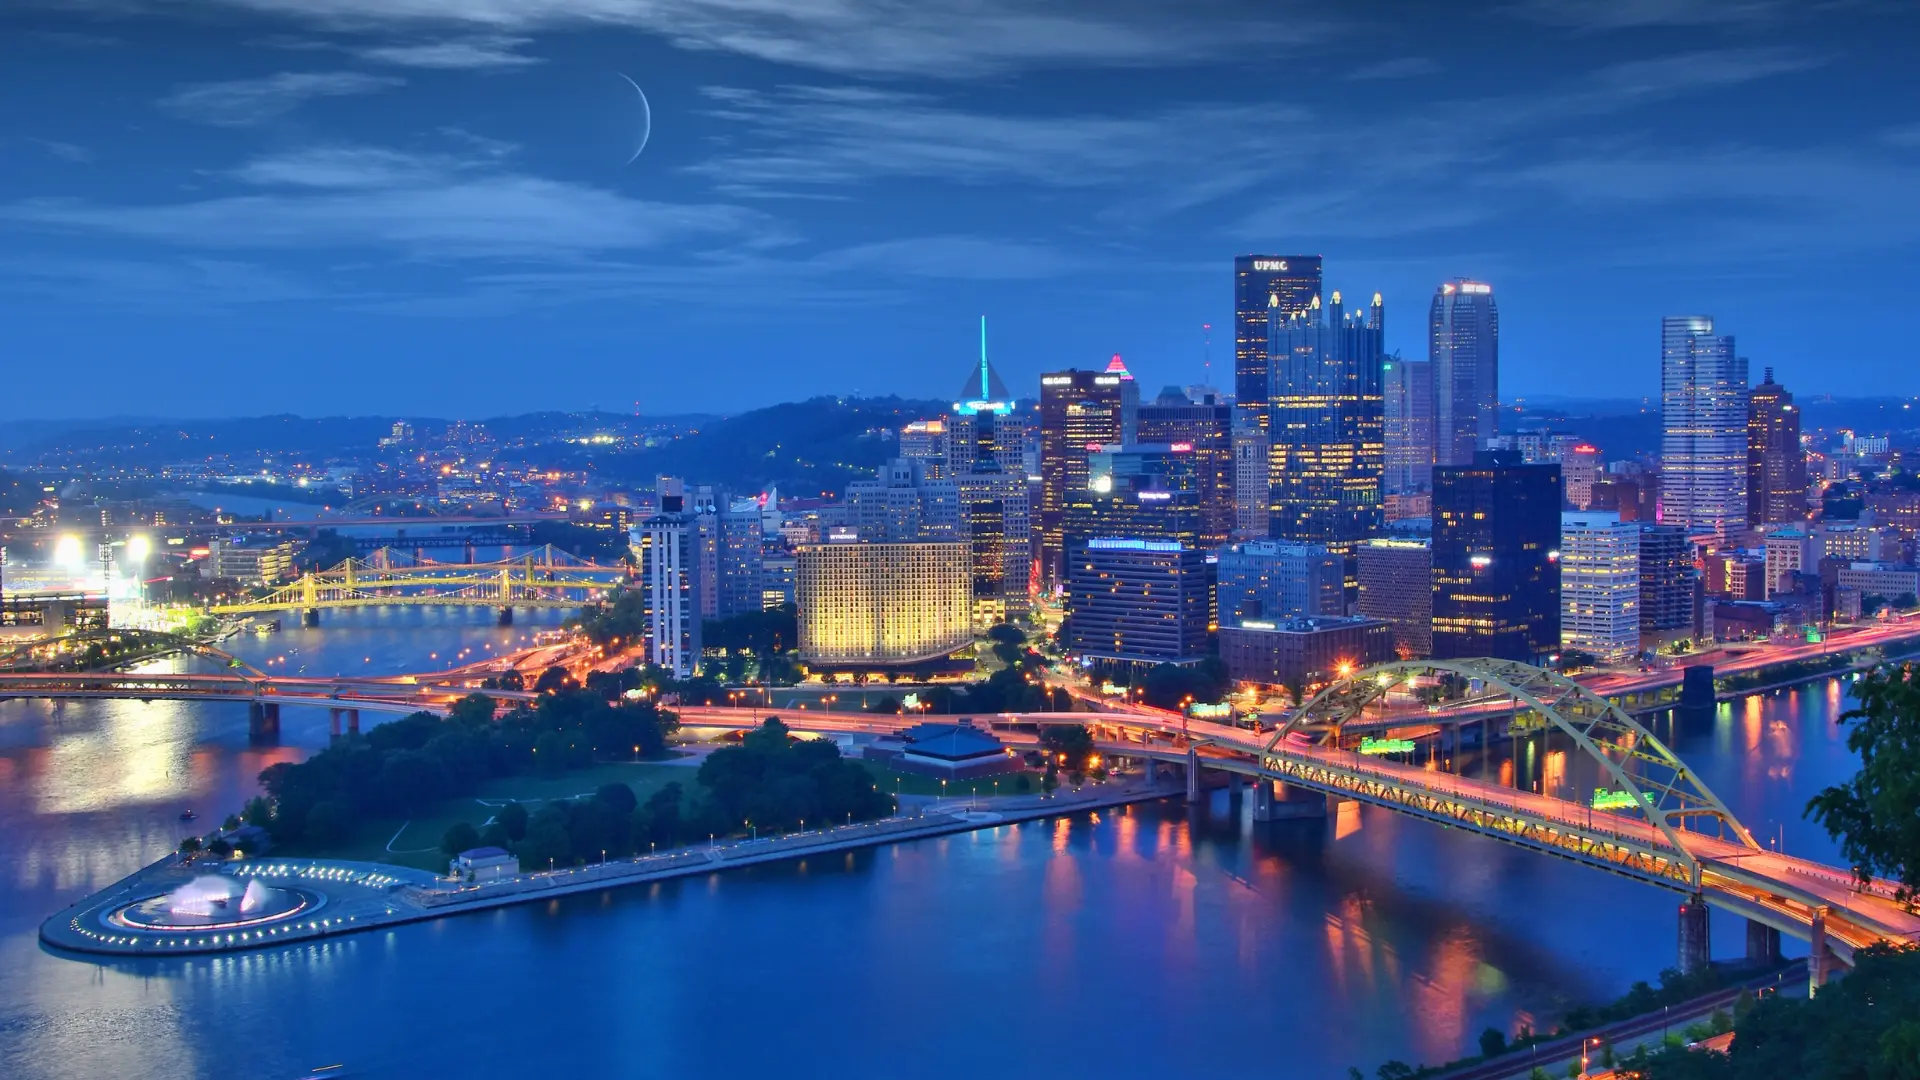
(1139, 943)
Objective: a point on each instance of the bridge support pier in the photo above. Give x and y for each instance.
(1697, 699)
(1763, 943)
(506, 616)
(353, 722)
(1193, 775)
(263, 721)
(334, 716)
(1819, 957)
(333, 724)
(1696, 943)
(310, 617)
(1274, 801)
(1236, 787)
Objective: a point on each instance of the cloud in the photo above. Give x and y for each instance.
(925, 38)
(453, 54)
(1602, 15)
(162, 284)
(243, 102)
(1907, 135)
(503, 216)
(345, 168)
(1403, 67)
(65, 151)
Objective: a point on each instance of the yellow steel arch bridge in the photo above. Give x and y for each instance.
(544, 578)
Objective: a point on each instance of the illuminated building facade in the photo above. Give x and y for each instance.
(1251, 486)
(668, 547)
(883, 603)
(1496, 539)
(1080, 411)
(996, 509)
(1269, 579)
(740, 549)
(1463, 344)
(925, 441)
(1776, 463)
(902, 503)
(1703, 443)
(1303, 653)
(1408, 392)
(1396, 587)
(1327, 428)
(1137, 602)
(1262, 282)
(1600, 585)
(1205, 428)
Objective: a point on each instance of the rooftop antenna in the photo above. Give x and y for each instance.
(986, 392)
(1206, 354)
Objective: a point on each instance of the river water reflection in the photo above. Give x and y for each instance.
(1149, 942)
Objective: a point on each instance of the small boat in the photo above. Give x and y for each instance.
(188, 815)
(325, 1072)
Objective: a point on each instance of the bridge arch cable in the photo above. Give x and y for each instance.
(1662, 786)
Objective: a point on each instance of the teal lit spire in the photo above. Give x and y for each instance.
(984, 392)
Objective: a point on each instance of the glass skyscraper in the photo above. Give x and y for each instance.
(1261, 282)
(1703, 444)
(1080, 412)
(1464, 347)
(1776, 465)
(1496, 549)
(1409, 409)
(1327, 427)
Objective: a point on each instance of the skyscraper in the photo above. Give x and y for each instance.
(884, 603)
(1267, 580)
(1667, 579)
(1328, 452)
(669, 549)
(1408, 389)
(901, 503)
(926, 441)
(1496, 539)
(1703, 412)
(740, 552)
(1205, 428)
(1134, 602)
(1600, 585)
(1396, 585)
(1776, 465)
(1080, 411)
(1464, 346)
(1252, 487)
(1257, 281)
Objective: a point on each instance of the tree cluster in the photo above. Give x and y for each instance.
(409, 764)
(1876, 815)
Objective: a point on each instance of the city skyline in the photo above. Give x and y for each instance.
(279, 187)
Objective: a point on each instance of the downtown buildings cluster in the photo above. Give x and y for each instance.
(1342, 506)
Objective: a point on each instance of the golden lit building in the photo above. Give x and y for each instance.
(883, 603)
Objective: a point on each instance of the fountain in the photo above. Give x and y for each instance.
(214, 902)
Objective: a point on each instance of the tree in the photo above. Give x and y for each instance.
(190, 845)
(1394, 1070)
(513, 818)
(550, 754)
(618, 798)
(1493, 1042)
(548, 841)
(1876, 815)
(461, 837)
(1072, 740)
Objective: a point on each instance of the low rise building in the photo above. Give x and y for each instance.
(1302, 653)
(483, 864)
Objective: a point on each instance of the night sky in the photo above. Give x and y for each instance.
(218, 207)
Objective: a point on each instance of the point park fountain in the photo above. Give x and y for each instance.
(215, 902)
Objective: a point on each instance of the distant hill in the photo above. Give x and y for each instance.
(805, 447)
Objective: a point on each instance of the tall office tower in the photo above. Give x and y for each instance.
(1408, 389)
(1262, 282)
(883, 603)
(1079, 410)
(926, 441)
(1464, 346)
(1776, 464)
(1134, 602)
(901, 503)
(1600, 585)
(1206, 428)
(1251, 487)
(740, 549)
(997, 509)
(1396, 586)
(1667, 577)
(1703, 412)
(704, 504)
(1265, 579)
(985, 423)
(669, 549)
(1147, 492)
(1328, 426)
(1496, 539)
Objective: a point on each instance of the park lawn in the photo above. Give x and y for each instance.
(893, 782)
(418, 843)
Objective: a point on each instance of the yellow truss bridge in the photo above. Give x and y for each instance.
(543, 578)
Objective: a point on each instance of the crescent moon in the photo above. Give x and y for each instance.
(646, 116)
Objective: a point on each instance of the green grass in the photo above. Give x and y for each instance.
(418, 844)
(901, 783)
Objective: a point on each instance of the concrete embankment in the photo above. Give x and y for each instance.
(355, 897)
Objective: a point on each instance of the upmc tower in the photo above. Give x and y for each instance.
(1257, 280)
